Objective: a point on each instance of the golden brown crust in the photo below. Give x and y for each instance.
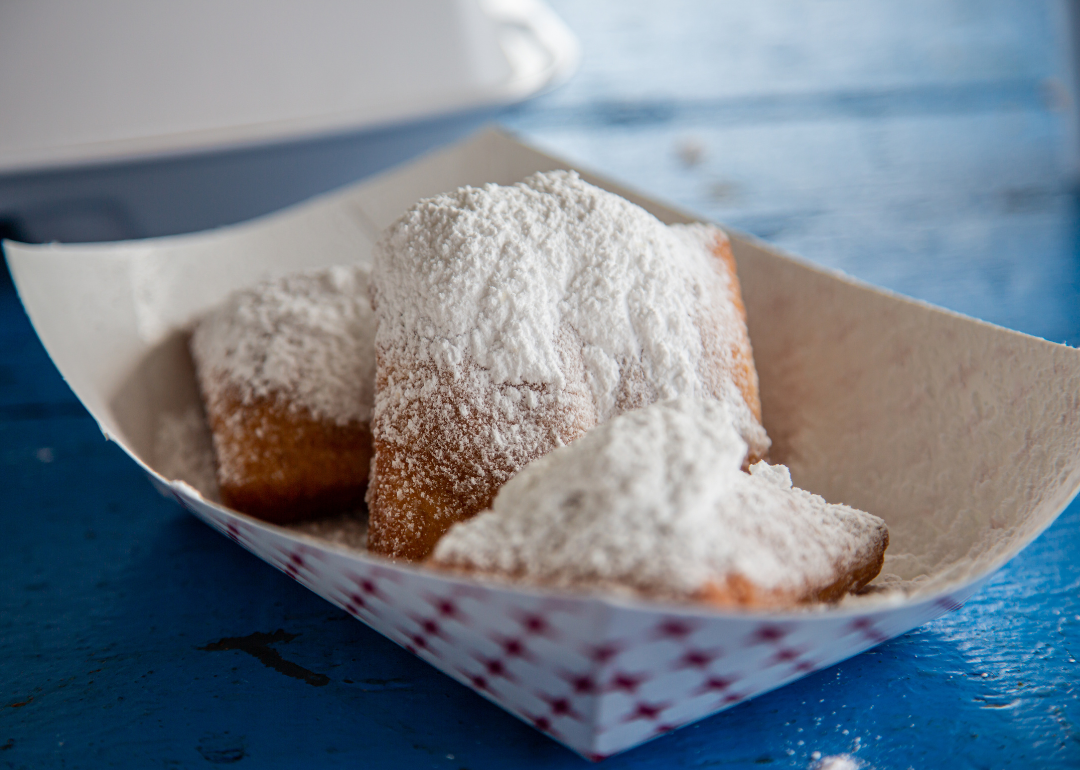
(445, 472)
(280, 463)
(744, 373)
(735, 591)
(857, 576)
(736, 362)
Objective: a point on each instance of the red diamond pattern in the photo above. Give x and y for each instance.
(445, 607)
(563, 708)
(865, 626)
(479, 683)
(626, 682)
(514, 647)
(596, 675)
(496, 668)
(785, 655)
(716, 684)
(582, 685)
(770, 633)
(647, 711)
(675, 629)
(604, 652)
(697, 658)
(537, 625)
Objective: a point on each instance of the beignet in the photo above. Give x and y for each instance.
(286, 371)
(513, 319)
(654, 502)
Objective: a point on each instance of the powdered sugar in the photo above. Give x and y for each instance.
(349, 530)
(654, 500)
(183, 450)
(525, 284)
(837, 762)
(306, 337)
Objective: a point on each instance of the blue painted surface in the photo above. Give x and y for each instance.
(915, 145)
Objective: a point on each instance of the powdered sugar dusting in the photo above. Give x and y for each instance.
(183, 450)
(349, 530)
(654, 500)
(515, 280)
(307, 338)
(837, 762)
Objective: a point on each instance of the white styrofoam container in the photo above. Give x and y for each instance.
(963, 436)
(119, 79)
(126, 119)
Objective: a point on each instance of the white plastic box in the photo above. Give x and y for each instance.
(963, 436)
(123, 118)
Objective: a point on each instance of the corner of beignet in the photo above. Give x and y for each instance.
(444, 446)
(735, 591)
(283, 464)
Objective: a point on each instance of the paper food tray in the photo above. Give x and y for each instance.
(963, 436)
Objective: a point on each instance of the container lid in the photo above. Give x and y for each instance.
(115, 80)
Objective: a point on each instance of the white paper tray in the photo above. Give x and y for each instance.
(961, 435)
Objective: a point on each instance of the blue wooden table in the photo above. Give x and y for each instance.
(920, 146)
